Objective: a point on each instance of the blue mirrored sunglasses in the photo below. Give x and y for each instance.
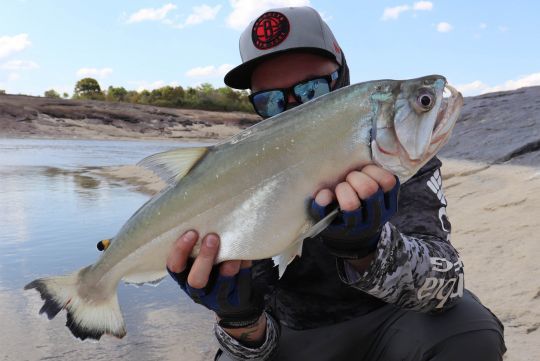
(268, 103)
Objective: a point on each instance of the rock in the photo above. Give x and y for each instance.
(99, 119)
(502, 127)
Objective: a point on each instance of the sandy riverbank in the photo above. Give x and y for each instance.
(496, 229)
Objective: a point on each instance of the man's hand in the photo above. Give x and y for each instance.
(367, 199)
(225, 289)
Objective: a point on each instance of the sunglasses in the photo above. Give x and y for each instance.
(268, 103)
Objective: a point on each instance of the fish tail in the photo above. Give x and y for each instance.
(87, 317)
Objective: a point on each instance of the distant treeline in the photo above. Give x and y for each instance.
(204, 96)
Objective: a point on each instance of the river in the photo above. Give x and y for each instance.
(52, 214)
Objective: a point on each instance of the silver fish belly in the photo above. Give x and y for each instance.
(254, 189)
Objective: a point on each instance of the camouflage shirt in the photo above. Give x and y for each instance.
(415, 267)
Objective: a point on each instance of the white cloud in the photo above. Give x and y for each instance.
(94, 72)
(393, 13)
(483, 26)
(202, 13)
(423, 5)
(19, 65)
(199, 14)
(478, 87)
(13, 44)
(503, 29)
(444, 27)
(151, 13)
(523, 81)
(209, 71)
(474, 88)
(245, 11)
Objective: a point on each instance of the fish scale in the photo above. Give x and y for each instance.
(254, 189)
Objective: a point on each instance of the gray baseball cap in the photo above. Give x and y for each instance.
(282, 30)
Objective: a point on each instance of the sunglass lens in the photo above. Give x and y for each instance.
(311, 89)
(269, 103)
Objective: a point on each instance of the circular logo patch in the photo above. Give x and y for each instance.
(269, 30)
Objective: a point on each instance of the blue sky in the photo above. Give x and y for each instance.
(480, 46)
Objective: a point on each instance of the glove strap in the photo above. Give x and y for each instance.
(227, 323)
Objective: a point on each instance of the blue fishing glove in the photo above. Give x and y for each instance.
(232, 298)
(355, 234)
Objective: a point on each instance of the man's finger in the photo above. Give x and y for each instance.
(324, 197)
(178, 257)
(363, 184)
(384, 178)
(229, 268)
(246, 264)
(347, 198)
(200, 271)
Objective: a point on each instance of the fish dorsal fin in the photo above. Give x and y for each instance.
(174, 164)
(283, 259)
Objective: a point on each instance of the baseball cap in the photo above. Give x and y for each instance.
(281, 30)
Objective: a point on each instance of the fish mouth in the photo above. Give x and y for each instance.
(392, 151)
(447, 116)
(442, 125)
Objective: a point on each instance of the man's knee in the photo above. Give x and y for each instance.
(481, 345)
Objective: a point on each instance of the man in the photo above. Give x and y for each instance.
(392, 291)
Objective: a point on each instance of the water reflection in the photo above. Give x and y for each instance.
(52, 213)
(86, 182)
(156, 331)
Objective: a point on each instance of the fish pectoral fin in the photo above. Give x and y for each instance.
(141, 278)
(283, 259)
(320, 226)
(174, 164)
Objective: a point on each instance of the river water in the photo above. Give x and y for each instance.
(52, 214)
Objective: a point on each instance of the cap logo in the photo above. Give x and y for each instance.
(269, 30)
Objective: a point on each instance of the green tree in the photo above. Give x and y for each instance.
(65, 95)
(132, 96)
(206, 88)
(118, 94)
(2, 92)
(88, 88)
(51, 93)
(144, 97)
(204, 96)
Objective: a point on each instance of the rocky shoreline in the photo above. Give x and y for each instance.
(36, 117)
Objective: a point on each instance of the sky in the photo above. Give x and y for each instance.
(480, 46)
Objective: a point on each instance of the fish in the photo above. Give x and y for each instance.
(254, 189)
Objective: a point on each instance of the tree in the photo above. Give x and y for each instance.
(65, 95)
(88, 88)
(2, 92)
(118, 94)
(51, 93)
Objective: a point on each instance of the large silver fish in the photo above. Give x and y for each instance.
(253, 189)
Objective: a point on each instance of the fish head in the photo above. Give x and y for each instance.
(413, 119)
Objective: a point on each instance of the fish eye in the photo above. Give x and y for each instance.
(425, 100)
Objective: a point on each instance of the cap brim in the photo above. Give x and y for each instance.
(240, 77)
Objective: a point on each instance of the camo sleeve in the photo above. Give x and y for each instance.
(237, 351)
(415, 267)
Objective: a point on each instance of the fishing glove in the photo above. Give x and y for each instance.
(232, 298)
(355, 234)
